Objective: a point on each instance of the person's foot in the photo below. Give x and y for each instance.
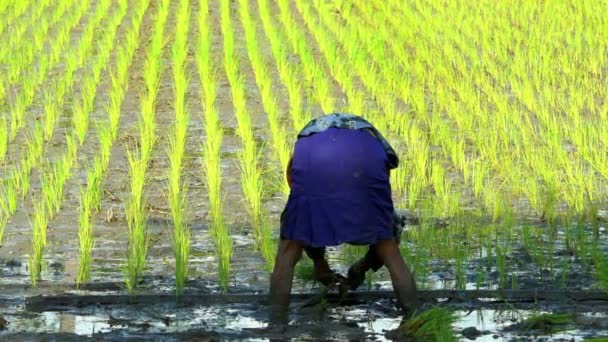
(323, 274)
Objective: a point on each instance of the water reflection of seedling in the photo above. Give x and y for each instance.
(601, 268)
(547, 322)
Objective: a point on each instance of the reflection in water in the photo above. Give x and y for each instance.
(52, 322)
(236, 318)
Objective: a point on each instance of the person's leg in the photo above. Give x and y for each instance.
(403, 282)
(289, 252)
(321, 273)
(371, 260)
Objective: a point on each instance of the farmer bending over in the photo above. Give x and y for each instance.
(340, 193)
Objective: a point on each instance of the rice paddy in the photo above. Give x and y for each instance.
(144, 143)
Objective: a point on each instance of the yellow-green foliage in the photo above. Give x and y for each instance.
(496, 109)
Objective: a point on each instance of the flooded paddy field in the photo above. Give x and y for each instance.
(143, 148)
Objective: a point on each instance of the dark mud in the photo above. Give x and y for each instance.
(205, 314)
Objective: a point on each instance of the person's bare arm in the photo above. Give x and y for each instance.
(288, 171)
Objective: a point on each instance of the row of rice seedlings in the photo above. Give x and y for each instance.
(314, 74)
(90, 200)
(378, 44)
(177, 147)
(375, 77)
(4, 137)
(450, 148)
(365, 54)
(14, 12)
(289, 73)
(52, 180)
(266, 242)
(454, 151)
(264, 82)
(249, 157)
(139, 239)
(54, 176)
(18, 28)
(17, 183)
(574, 199)
(339, 66)
(339, 42)
(32, 81)
(345, 54)
(219, 232)
(25, 54)
(437, 178)
(518, 123)
(16, 49)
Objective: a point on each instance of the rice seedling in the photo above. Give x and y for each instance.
(434, 324)
(139, 238)
(600, 262)
(85, 237)
(177, 145)
(219, 232)
(552, 322)
(4, 135)
(39, 224)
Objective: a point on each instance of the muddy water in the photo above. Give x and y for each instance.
(368, 321)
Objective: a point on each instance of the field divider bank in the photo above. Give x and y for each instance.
(514, 298)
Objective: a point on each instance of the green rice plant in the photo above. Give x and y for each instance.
(3, 222)
(431, 325)
(94, 184)
(304, 271)
(139, 238)
(21, 176)
(85, 237)
(10, 196)
(600, 262)
(181, 236)
(80, 120)
(39, 224)
(106, 141)
(4, 136)
(139, 242)
(113, 105)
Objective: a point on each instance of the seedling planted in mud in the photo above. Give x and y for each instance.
(39, 224)
(85, 237)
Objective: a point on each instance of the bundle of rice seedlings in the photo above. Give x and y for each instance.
(431, 325)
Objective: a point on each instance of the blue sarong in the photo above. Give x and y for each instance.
(340, 191)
